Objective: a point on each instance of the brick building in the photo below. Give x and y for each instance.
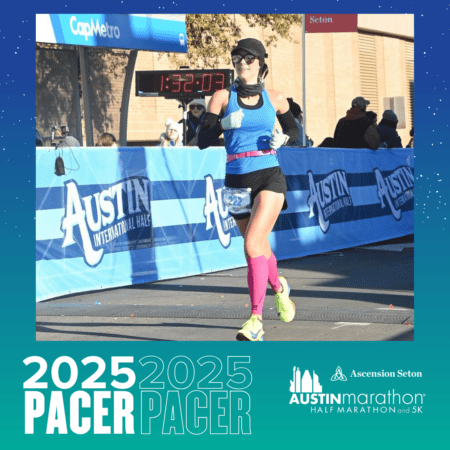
(376, 62)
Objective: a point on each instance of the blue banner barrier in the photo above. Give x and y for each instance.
(134, 215)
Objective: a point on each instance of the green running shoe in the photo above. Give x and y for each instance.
(285, 306)
(252, 330)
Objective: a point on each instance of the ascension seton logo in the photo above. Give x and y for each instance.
(328, 195)
(214, 206)
(118, 210)
(338, 376)
(396, 188)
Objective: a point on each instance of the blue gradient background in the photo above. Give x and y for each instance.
(274, 422)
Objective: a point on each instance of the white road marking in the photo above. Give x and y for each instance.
(345, 324)
(398, 309)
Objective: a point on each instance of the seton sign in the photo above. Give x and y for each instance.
(331, 23)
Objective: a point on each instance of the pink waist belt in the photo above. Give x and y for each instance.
(254, 153)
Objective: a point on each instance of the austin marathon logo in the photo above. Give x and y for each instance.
(328, 195)
(306, 389)
(99, 219)
(215, 207)
(395, 189)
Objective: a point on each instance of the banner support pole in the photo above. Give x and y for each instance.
(303, 78)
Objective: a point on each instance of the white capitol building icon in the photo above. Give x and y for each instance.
(305, 384)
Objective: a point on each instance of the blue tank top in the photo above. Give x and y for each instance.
(254, 134)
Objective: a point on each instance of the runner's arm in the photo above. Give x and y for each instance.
(289, 126)
(210, 128)
(284, 115)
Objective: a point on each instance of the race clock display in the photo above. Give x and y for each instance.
(182, 83)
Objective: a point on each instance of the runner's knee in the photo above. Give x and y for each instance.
(253, 247)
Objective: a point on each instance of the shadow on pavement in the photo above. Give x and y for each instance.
(43, 329)
(401, 300)
(405, 336)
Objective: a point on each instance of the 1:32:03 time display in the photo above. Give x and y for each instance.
(178, 82)
(183, 83)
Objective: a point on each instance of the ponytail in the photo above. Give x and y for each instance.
(263, 70)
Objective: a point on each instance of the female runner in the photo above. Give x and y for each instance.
(249, 112)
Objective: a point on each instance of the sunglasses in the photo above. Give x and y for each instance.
(199, 107)
(248, 59)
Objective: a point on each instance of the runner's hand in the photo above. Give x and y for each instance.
(233, 120)
(278, 139)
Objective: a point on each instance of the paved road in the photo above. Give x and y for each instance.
(358, 294)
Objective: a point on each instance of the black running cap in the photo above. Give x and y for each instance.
(253, 46)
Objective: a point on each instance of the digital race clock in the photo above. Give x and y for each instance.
(182, 83)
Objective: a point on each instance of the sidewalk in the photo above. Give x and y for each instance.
(358, 294)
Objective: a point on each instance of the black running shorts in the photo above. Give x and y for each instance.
(271, 179)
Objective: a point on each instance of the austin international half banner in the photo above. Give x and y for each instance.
(135, 215)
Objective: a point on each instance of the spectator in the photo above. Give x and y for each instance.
(298, 115)
(411, 142)
(39, 141)
(387, 129)
(173, 136)
(195, 116)
(372, 116)
(356, 130)
(327, 143)
(107, 140)
(65, 140)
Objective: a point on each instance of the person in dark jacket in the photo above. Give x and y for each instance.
(387, 129)
(372, 116)
(356, 130)
(327, 143)
(411, 141)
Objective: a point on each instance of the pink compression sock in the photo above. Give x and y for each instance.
(257, 276)
(274, 281)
